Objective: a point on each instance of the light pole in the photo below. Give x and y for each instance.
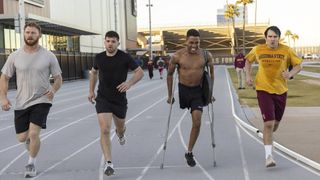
(21, 18)
(150, 35)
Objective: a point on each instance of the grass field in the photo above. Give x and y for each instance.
(303, 91)
(311, 69)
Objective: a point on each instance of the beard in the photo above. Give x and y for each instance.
(31, 43)
(111, 50)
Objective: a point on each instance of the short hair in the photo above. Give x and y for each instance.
(112, 34)
(193, 32)
(32, 24)
(274, 29)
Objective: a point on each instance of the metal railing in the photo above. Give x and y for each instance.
(74, 65)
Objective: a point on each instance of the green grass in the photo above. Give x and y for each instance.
(311, 69)
(303, 91)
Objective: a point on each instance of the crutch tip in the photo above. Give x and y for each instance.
(214, 164)
(161, 166)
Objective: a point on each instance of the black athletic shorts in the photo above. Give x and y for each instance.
(37, 114)
(190, 97)
(106, 106)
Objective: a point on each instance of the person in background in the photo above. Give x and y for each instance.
(239, 64)
(150, 68)
(160, 64)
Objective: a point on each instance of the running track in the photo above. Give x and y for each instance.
(71, 150)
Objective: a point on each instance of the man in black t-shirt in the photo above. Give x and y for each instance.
(111, 102)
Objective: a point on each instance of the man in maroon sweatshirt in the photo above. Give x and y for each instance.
(239, 64)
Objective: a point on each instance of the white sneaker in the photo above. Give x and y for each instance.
(270, 162)
(108, 169)
(30, 171)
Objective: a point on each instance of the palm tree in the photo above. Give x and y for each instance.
(244, 3)
(230, 13)
(288, 34)
(294, 38)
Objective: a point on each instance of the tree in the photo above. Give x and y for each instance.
(244, 3)
(288, 34)
(294, 38)
(231, 12)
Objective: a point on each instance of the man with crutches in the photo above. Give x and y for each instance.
(190, 62)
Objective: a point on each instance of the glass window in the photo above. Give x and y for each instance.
(7, 44)
(13, 39)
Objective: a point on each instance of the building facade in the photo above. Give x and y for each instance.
(73, 25)
(99, 16)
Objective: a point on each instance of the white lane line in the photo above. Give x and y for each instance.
(66, 158)
(54, 132)
(206, 173)
(306, 163)
(92, 142)
(8, 165)
(16, 145)
(8, 127)
(146, 168)
(128, 121)
(146, 92)
(137, 87)
(151, 167)
(243, 159)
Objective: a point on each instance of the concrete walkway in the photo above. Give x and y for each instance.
(298, 131)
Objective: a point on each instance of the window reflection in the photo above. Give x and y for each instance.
(50, 42)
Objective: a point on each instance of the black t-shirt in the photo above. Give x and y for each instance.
(113, 71)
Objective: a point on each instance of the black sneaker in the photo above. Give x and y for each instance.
(190, 160)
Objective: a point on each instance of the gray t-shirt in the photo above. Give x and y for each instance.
(32, 72)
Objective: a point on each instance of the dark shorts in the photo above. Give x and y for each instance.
(37, 114)
(272, 106)
(190, 97)
(105, 106)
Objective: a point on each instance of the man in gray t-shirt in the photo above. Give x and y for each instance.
(33, 65)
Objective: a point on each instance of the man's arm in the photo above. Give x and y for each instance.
(248, 68)
(5, 103)
(92, 84)
(57, 81)
(172, 66)
(137, 75)
(295, 70)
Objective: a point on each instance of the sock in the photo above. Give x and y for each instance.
(31, 160)
(268, 150)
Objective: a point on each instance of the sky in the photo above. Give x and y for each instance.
(300, 17)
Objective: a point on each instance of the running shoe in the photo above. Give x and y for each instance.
(30, 171)
(121, 137)
(190, 160)
(108, 169)
(270, 162)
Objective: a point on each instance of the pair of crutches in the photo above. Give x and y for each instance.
(211, 120)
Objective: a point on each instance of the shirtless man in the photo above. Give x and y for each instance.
(191, 63)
